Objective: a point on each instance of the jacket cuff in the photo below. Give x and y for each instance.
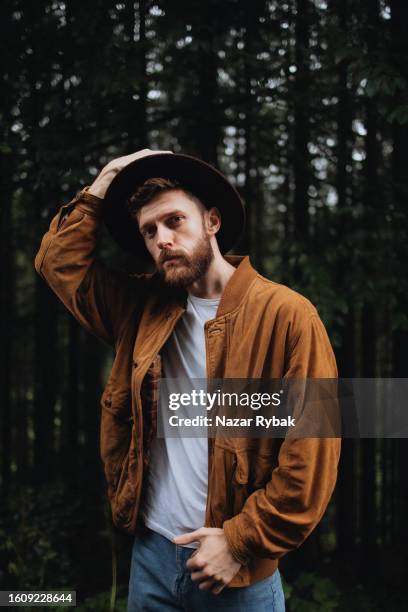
(87, 202)
(236, 544)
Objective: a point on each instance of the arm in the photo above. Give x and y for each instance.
(278, 517)
(100, 299)
(97, 297)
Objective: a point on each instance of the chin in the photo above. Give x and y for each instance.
(173, 268)
(175, 279)
(179, 279)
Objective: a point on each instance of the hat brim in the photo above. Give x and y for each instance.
(202, 179)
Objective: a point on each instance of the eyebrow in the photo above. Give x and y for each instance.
(163, 216)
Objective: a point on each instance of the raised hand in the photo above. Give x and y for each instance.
(108, 172)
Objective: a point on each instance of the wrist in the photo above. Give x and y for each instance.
(87, 202)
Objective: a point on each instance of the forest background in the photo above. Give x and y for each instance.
(304, 105)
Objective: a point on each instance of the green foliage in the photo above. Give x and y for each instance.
(102, 603)
(314, 592)
(400, 322)
(37, 526)
(381, 80)
(399, 115)
(5, 149)
(311, 592)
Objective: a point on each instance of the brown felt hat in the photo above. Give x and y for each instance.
(202, 179)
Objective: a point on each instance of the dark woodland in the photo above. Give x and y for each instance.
(304, 105)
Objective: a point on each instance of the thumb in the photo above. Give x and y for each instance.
(188, 538)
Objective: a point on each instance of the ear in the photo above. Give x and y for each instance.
(213, 220)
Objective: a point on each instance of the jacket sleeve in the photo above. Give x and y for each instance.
(100, 299)
(278, 517)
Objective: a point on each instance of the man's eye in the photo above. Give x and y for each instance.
(177, 218)
(149, 233)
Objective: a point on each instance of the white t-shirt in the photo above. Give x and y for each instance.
(178, 473)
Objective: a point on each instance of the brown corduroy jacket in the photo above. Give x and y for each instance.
(267, 494)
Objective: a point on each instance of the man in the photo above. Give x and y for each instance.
(241, 503)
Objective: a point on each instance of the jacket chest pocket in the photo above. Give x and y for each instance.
(150, 384)
(118, 402)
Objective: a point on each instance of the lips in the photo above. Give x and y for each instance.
(172, 259)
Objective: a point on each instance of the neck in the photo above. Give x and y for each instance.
(213, 283)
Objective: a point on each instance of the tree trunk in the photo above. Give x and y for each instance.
(93, 362)
(372, 201)
(45, 381)
(399, 16)
(302, 127)
(70, 405)
(252, 239)
(206, 113)
(7, 309)
(136, 62)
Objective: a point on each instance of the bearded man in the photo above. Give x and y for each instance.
(210, 517)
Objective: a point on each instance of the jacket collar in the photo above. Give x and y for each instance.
(237, 285)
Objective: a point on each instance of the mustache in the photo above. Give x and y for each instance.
(166, 254)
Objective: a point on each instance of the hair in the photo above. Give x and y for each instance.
(152, 187)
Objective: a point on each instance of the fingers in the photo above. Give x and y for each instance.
(204, 574)
(199, 576)
(206, 582)
(214, 586)
(188, 538)
(218, 589)
(207, 585)
(195, 562)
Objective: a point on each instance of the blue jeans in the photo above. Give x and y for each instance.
(159, 580)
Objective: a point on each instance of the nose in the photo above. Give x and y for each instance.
(164, 237)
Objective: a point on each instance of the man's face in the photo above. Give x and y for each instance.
(174, 230)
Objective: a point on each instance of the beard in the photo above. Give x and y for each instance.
(186, 269)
